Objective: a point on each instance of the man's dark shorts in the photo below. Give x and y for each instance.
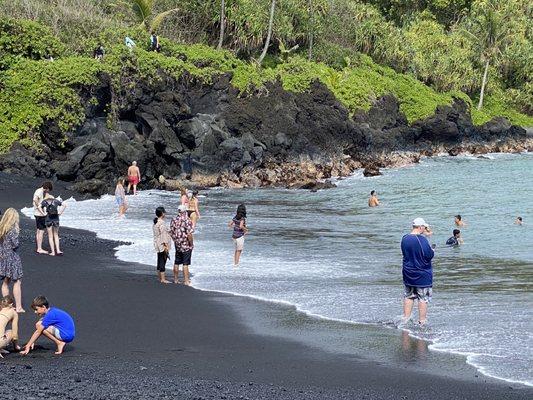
(183, 257)
(40, 222)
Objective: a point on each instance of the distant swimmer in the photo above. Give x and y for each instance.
(417, 270)
(456, 239)
(373, 201)
(459, 220)
(134, 177)
(518, 221)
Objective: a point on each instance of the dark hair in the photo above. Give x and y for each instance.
(159, 211)
(195, 192)
(519, 218)
(456, 232)
(40, 301)
(47, 185)
(241, 211)
(458, 216)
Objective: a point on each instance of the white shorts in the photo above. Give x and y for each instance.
(54, 331)
(239, 243)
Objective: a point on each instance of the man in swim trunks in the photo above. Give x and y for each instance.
(417, 270)
(134, 177)
(40, 216)
(373, 200)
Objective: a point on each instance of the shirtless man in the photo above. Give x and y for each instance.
(459, 220)
(134, 177)
(373, 200)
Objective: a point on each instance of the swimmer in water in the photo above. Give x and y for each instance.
(459, 220)
(518, 221)
(373, 201)
(456, 239)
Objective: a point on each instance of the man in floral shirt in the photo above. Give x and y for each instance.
(181, 232)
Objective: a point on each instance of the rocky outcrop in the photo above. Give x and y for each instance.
(194, 134)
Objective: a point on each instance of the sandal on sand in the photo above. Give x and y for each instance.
(59, 254)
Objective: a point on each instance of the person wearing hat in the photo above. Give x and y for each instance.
(417, 270)
(161, 242)
(181, 230)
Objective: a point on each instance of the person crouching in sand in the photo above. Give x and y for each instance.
(55, 324)
(238, 223)
(120, 197)
(8, 314)
(161, 242)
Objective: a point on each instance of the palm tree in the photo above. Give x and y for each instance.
(269, 33)
(144, 9)
(311, 27)
(222, 23)
(489, 33)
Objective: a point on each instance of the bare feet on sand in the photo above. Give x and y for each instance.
(20, 310)
(60, 348)
(165, 281)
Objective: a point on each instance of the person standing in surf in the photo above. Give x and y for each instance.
(181, 232)
(134, 177)
(161, 243)
(458, 220)
(193, 211)
(238, 223)
(417, 270)
(40, 217)
(120, 197)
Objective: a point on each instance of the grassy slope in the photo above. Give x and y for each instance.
(34, 91)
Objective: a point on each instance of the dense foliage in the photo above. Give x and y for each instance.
(423, 51)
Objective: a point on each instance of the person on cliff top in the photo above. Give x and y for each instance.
(8, 314)
(181, 231)
(238, 223)
(458, 220)
(134, 177)
(154, 42)
(40, 217)
(120, 197)
(456, 239)
(162, 242)
(53, 208)
(57, 325)
(373, 201)
(193, 211)
(417, 270)
(129, 42)
(518, 221)
(98, 53)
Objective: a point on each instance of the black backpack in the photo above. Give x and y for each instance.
(52, 208)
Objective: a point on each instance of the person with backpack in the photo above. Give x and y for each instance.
(53, 208)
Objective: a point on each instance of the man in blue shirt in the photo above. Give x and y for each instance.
(417, 270)
(55, 324)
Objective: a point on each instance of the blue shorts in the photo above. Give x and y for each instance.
(119, 200)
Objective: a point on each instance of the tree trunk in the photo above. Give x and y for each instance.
(269, 34)
(311, 29)
(222, 23)
(483, 84)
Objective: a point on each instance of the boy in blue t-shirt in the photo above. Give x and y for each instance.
(55, 324)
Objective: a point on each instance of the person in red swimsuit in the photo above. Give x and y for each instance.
(134, 177)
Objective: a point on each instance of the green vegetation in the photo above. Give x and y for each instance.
(425, 52)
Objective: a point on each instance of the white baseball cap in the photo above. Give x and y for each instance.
(420, 222)
(182, 208)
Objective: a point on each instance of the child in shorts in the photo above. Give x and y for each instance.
(53, 208)
(57, 325)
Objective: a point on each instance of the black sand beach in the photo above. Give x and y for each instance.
(139, 339)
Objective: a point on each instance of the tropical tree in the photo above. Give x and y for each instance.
(489, 33)
(144, 10)
(269, 33)
(222, 23)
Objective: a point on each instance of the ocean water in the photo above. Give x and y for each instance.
(331, 255)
